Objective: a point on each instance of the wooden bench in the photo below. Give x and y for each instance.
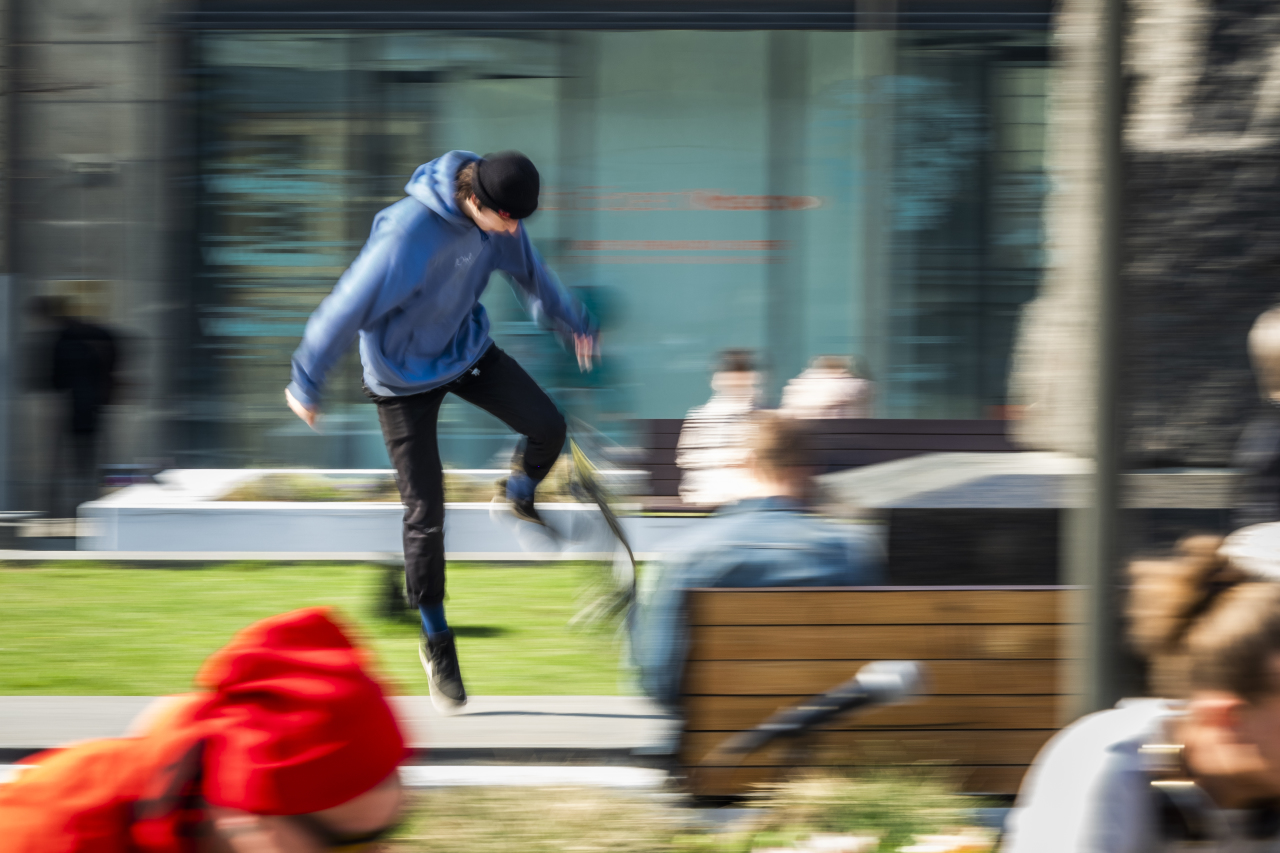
(993, 657)
(838, 443)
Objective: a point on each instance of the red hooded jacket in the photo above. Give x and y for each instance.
(291, 723)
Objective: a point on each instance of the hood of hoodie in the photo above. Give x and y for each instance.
(433, 184)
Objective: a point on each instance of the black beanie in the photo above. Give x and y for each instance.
(508, 183)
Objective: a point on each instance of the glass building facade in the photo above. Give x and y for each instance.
(874, 194)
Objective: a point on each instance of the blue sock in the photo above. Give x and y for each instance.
(433, 621)
(520, 487)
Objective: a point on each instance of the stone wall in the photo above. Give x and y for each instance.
(1202, 220)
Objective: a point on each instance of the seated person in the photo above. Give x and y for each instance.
(293, 748)
(765, 540)
(1163, 774)
(712, 449)
(1257, 451)
(828, 388)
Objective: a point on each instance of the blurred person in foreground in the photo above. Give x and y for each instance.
(767, 540)
(1257, 451)
(1200, 768)
(828, 388)
(413, 298)
(712, 449)
(292, 748)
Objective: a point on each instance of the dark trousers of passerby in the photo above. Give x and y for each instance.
(500, 386)
(74, 477)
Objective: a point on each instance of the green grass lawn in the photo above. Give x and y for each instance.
(83, 629)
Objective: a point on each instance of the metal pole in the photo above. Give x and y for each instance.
(10, 382)
(1093, 545)
(875, 61)
(788, 101)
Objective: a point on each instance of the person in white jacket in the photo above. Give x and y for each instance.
(712, 450)
(828, 388)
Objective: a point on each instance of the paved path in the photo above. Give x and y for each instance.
(152, 559)
(501, 775)
(616, 724)
(587, 740)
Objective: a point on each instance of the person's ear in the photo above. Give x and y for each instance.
(1217, 709)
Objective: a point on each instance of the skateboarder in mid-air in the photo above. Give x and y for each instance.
(413, 298)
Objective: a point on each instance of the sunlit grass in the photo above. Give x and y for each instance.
(85, 629)
(893, 805)
(536, 820)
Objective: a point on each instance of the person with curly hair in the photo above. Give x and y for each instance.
(1198, 768)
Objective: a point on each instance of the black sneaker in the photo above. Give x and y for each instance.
(440, 660)
(523, 510)
(526, 511)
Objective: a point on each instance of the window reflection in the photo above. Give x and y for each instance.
(800, 193)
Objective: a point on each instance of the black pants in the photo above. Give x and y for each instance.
(499, 386)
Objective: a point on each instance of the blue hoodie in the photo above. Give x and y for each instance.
(413, 294)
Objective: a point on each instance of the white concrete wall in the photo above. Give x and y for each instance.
(148, 522)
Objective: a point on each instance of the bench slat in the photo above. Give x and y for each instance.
(738, 713)
(772, 678)
(841, 642)
(820, 441)
(662, 440)
(884, 747)
(883, 426)
(907, 426)
(824, 446)
(658, 426)
(856, 457)
(872, 607)
(988, 779)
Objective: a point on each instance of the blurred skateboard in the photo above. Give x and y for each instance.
(586, 485)
(615, 592)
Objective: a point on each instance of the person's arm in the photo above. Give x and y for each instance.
(1083, 794)
(368, 290)
(711, 441)
(548, 302)
(688, 443)
(658, 633)
(1257, 456)
(866, 557)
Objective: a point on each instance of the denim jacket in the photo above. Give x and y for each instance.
(754, 543)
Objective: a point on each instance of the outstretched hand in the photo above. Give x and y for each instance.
(588, 349)
(307, 414)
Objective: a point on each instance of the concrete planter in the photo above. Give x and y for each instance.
(182, 513)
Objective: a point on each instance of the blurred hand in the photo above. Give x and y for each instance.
(307, 414)
(588, 349)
